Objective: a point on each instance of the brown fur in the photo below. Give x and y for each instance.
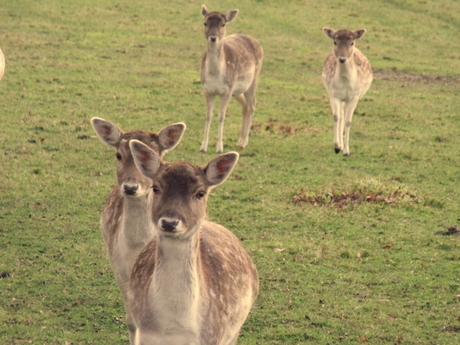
(194, 283)
(229, 68)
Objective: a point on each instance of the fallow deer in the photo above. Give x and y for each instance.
(194, 283)
(2, 64)
(230, 67)
(126, 219)
(347, 75)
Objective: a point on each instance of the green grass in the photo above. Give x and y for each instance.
(379, 268)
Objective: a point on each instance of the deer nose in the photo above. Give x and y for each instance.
(213, 39)
(169, 225)
(342, 59)
(130, 190)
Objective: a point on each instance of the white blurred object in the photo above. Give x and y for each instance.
(2, 64)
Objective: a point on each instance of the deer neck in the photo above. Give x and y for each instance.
(136, 222)
(175, 286)
(215, 58)
(348, 69)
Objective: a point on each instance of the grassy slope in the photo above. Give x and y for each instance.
(329, 274)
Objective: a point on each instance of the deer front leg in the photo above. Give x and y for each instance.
(349, 109)
(223, 110)
(208, 119)
(337, 116)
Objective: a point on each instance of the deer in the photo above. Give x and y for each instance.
(125, 220)
(193, 283)
(229, 68)
(347, 75)
(2, 64)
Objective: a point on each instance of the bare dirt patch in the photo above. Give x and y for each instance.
(415, 78)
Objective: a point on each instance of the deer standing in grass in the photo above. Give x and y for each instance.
(194, 283)
(126, 219)
(347, 75)
(230, 67)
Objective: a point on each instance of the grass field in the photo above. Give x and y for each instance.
(350, 250)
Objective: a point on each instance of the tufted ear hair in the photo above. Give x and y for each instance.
(359, 33)
(204, 11)
(329, 32)
(231, 15)
(170, 136)
(147, 161)
(108, 132)
(220, 168)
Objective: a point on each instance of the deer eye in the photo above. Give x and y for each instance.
(118, 155)
(352, 43)
(155, 189)
(223, 24)
(335, 43)
(205, 24)
(200, 194)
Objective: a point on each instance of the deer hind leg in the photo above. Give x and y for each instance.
(132, 330)
(207, 124)
(349, 109)
(337, 116)
(243, 141)
(225, 99)
(249, 107)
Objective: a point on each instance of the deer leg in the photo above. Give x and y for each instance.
(225, 99)
(248, 114)
(132, 329)
(243, 141)
(337, 116)
(208, 119)
(349, 108)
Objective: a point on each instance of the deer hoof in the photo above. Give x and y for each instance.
(336, 150)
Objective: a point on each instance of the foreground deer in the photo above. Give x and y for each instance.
(230, 67)
(126, 219)
(347, 75)
(194, 283)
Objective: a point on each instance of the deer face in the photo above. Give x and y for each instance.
(215, 24)
(179, 205)
(344, 42)
(131, 182)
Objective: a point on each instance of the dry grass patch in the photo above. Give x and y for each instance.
(363, 191)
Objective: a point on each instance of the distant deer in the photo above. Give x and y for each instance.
(2, 64)
(126, 219)
(194, 283)
(347, 75)
(230, 67)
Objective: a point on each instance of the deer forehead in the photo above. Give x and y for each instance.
(215, 18)
(182, 176)
(344, 35)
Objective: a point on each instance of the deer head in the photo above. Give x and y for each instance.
(130, 180)
(344, 42)
(181, 189)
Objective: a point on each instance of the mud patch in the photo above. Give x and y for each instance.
(415, 78)
(451, 231)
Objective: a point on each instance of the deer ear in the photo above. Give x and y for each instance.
(146, 160)
(108, 132)
(329, 32)
(204, 10)
(359, 33)
(231, 15)
(170, 136)
(220, 167)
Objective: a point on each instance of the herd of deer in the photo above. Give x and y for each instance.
(186, 280)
